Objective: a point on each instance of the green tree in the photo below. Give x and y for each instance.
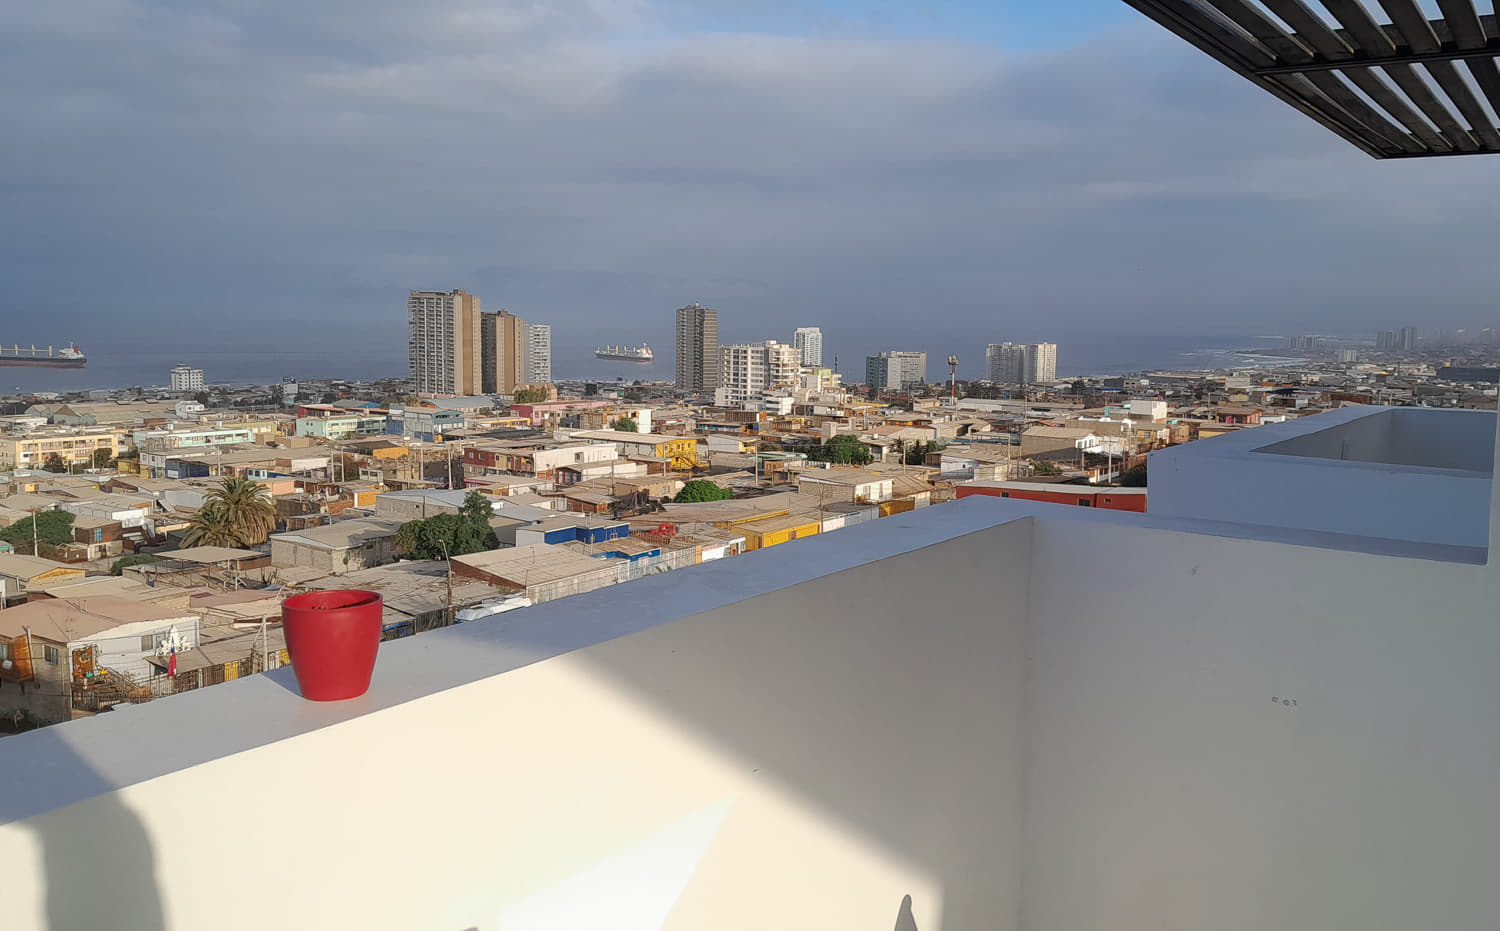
(103, 458)
(237, 513)
(55, 463)
(211, 526)
(248, 507)
(699, 490)
(1043, 467)
(917, 453)
(1134, 477)
(53, 528)
(627, 425)
(119, 566)
(444, 535)
(202, 397)
(530, 396)
(843, 449)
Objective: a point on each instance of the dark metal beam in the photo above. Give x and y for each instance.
(1188, 23)
(1396, 58)
(1394, 90)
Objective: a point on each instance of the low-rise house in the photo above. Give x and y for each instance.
(590, 502)
(508, 486)
(1088, 496)
(130, 511)
(681, 450)
(776, 529)
(128, 586)
(542, 573)
(222, 655)
(343, 426)
(97, 538)
(1233, 414)
(337, 548)
(415, 595)
(1056, 442)
(20, 574)
(569, 529)
(591, 471)
(85, 652)
(418, 504)
(846, 484)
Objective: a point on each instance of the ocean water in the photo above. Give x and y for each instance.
(147, 363)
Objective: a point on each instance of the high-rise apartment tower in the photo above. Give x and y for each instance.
(808, 341)
(1021, 363)
(1041, 363)
(697, 348)
(503, 336)
(538, 353)
(444, 354)
(187, 378)
(748, 370)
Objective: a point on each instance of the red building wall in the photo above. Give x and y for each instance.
(1111, 499)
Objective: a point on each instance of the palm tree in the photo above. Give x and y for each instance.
(247, 508)
(211, 526)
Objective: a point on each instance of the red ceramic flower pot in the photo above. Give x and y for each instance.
(332, 638)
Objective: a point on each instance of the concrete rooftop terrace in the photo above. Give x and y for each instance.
(987, 713)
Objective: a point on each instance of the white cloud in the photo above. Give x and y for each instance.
(572, 157)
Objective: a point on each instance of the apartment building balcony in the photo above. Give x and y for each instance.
(982, 714)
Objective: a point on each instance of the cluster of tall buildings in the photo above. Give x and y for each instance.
(1021, 363)
(897, 370)
(457, 348)
(1403, 340)
(743, 371)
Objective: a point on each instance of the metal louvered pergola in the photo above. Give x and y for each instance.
(1410, 88)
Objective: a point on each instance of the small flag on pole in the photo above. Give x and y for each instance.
(172, 663)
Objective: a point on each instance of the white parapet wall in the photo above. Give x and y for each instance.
(1404, 474)
(988, 714)
(789, 742)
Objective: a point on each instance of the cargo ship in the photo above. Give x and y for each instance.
(58, 357)
(641, 353)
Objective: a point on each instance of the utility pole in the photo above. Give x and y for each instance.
(448, 607)
(953, 381)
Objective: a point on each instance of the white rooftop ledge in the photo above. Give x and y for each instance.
(1401, 473)
(988, 713)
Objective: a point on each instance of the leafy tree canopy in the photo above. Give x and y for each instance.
(627, 425)
(103, 458)
(530, 396)
(52, 527)
(55, 463)
(1134, 477)
(445, 535)
(119, 566)
(842, 450)
(699, 490)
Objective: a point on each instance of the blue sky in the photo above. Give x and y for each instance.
(1015, 26)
